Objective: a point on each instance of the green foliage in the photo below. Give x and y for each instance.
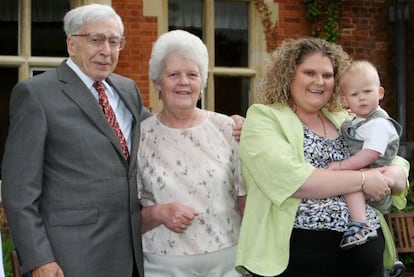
(410, 199)
(324, 16)
(313, 9)
(7, 246)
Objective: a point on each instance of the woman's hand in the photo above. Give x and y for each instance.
(237, 129)
(177, 217)
(241, 203)
(376, 185)
(174, 216)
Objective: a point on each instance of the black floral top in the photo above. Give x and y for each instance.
(330, 213)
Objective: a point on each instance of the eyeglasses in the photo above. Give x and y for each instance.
(97, 40)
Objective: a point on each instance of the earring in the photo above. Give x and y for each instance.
(159, 94)
(199, 97)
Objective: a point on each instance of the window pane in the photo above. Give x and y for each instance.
(186, 15)
(48, 37)
(8, 27)
(39, 70)
(231, 95)
(9, 77)
(231, 33)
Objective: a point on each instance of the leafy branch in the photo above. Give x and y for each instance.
(269, 27)
(324, 17)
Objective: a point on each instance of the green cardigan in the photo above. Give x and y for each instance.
(274, 167)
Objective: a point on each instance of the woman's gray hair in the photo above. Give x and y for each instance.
(183, 44)
(75, 19)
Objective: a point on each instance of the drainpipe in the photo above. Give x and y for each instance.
(398, 16)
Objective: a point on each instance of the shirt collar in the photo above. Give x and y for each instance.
(85, 78)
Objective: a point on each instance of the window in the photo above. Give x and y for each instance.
(9, 77)
(8, 27)
(224, 27)
(231, 33)
(47, 28)
(32, 42)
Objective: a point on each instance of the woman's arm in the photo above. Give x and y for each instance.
(174, 216)
(271, 150)
(324, 183)
(377, 181)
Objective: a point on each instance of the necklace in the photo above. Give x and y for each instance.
(310, 125)
(323, 123)
(178, 123)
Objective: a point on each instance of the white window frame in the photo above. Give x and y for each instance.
(24, 60)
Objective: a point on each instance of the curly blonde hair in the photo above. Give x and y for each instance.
(280, 70)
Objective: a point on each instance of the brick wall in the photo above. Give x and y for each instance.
(366, 33)
(292, 21)
(140, 32)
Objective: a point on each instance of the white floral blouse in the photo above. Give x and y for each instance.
(198, 167)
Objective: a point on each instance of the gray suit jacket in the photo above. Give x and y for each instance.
(69, 194)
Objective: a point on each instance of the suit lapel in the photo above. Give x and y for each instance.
(76, 90)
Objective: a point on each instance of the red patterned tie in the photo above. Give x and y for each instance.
(110, 116)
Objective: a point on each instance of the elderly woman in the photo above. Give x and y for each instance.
(295, 214)
(192, 192)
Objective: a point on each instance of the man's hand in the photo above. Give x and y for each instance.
(48, 270)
